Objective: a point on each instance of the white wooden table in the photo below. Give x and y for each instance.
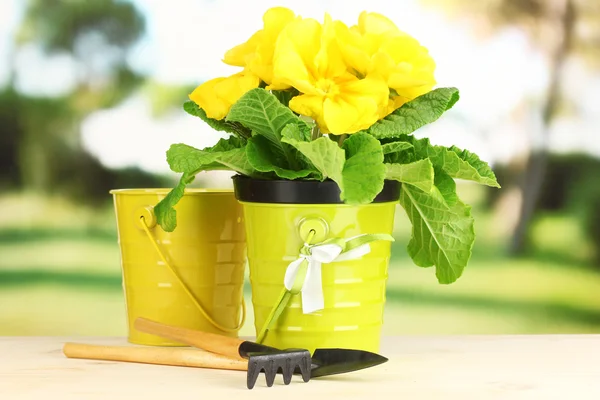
(561, 367)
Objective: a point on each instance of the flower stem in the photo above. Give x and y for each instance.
(315, 133)
(341, 138)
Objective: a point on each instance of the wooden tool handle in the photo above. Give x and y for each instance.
(219, 344)
(154, 355)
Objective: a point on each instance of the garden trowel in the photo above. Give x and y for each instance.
(268, 359)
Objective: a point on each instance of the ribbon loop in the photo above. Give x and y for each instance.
(296, 269)
(312, 257)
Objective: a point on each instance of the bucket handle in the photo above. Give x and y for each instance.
(187, 290)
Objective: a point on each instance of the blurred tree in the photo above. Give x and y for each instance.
(562, 29)
(9, 127)
(43, 133)
(98, 35)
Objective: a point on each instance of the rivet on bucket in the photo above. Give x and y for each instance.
(145, 217)
(318, 227)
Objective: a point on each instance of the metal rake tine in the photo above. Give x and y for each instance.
(270, 372)
(252, 374)
(288, 371)
(305, 366)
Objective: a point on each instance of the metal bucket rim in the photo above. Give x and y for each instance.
(164, 191)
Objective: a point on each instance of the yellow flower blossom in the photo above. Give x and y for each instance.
(377, 46)
(307, 57)
(409, 68)
(348, 78)
(375, 25)
(256, 54)
(216, 96)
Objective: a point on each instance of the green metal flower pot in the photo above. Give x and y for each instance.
(278, 217)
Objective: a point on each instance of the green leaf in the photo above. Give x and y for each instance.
(184, 158)
(419, 173)
(227, 154)
(364, 171)
(299, 132)
(236, 160)
(284, 96)
(326, 156)
(224, 155)
(297, 160)
(399, 154)
(446, 187)
(166, 216)
(219, 125)
(230, 143)
(394, 147)
(459, 164)
(472, 168)
(261, 112)
(263, 159)
(468, 168)
(441, 235)
(411, 116)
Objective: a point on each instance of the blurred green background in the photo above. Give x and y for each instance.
(90, 100)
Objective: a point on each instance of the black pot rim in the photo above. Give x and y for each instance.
(281, 191)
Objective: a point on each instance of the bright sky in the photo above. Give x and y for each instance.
(186, 40)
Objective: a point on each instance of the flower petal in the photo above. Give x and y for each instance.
(376, 24)
(310, 105)
(357, 107)
(329, 61)
(393, 104)
(403, 48)
(295, 50)
(207, 99)
(276, 18)
(216, 96)
(353, 52)
(372, 86)
(382, 64)
(343, 114)
(403, 81)
(240, 54)
(257, 53)
(232, 88)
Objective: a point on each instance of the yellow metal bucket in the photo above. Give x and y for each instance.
(192, 277)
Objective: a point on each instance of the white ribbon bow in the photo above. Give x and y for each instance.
(312, 289)
(308, 267)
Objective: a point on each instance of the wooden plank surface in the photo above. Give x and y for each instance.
(461, 367)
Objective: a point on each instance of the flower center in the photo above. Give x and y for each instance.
(327, 87)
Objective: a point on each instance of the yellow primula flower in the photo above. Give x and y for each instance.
(361, 42)
(256, 54)
(377, 46)
(307, 57)
(408, 67)
(216, 96)
(375, 25)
